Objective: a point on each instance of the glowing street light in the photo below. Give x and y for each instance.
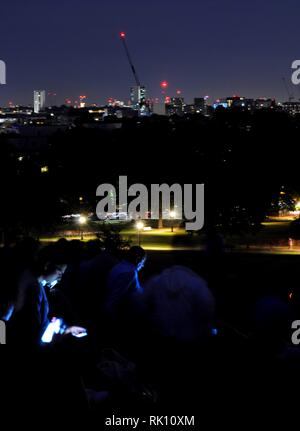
(44, 169)
(140, 227)
(82, 221)
(172, 216)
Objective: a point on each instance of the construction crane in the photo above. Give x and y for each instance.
(138, 92)
(290, 95)
(123, 39)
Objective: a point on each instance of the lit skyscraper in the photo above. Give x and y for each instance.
(137, 96)
(39, 100)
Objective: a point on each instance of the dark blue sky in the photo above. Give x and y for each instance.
(213, 47)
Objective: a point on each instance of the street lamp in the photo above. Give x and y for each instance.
(140, 227)
(172, 216)
(82, 221)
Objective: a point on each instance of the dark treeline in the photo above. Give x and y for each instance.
(243, 158)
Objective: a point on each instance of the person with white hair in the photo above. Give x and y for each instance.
(178, 305)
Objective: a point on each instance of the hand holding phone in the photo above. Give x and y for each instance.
(56, 326)
(76, 331)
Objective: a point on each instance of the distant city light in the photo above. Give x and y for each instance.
(44, 169)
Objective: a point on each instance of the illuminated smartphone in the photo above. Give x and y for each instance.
(54, 327)
(82, 334)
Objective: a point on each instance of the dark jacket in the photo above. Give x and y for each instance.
(30, 317)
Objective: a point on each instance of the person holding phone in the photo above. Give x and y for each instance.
(30, 317)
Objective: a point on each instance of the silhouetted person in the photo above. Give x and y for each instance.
(178, 304)
(30, 317)
(123, 280)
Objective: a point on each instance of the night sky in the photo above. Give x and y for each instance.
(211, 47)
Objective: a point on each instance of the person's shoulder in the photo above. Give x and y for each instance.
(29, 290)
(27, 278)
(123, 266)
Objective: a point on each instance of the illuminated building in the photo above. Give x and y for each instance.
(159, 108)
(221, 103)
(137, 96)
(263, 103)
(200, 105)
(175, 106)
(241, 102)
(291, 107)
(39, 100)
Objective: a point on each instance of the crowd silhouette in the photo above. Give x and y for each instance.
(130, 342)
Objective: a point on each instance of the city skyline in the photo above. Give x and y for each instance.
(216, 49)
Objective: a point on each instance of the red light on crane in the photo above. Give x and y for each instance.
(164, 84)
(122, 35)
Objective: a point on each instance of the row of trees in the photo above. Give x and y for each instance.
(242, 158)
